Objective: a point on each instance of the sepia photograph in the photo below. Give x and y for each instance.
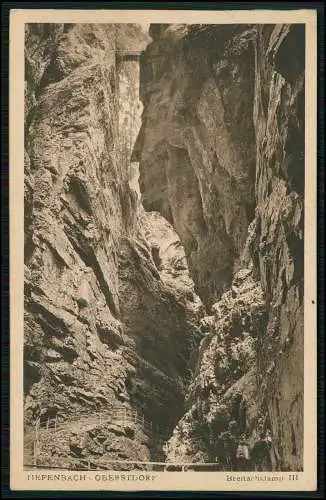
(164, 248)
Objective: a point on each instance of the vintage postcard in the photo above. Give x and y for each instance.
(163, 250)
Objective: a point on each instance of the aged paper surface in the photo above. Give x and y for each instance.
(137, 470)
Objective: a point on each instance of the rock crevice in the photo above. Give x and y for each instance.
(106, 324)
(173, 288)
(221, 152)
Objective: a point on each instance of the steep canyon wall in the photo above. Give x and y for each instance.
(108, 296)
(176, 289)
(221, 152)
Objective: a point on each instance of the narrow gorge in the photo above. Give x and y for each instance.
(164, 217)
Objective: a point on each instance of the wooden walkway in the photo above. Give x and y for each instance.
(119, 416)
(128, 55)
(116, 415)
(126, 464)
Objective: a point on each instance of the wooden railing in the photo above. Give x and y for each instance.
(129, 52)
(126, 464)
(128, 55)
(119, 415)
(116, 415)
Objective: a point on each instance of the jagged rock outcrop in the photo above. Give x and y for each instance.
(226, 384)
(221, 152)
(111, 312)
(196, 145)
(105, 324)
(279, 114)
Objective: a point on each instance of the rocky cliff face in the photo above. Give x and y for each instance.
(221, 152)
(112, 315)
(108, 296)
(196, 145)
(279, 112)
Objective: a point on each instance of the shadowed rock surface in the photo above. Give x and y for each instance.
(196, 146)
(221, 152)
(105, 322)
(176, 288)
